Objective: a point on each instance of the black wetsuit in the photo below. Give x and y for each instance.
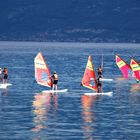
(99, 82)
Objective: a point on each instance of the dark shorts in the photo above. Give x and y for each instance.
(99, 84)
(55, 82)
(5, 76)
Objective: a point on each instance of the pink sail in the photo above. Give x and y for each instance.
(124, 67)
(42, 72)
(136, 68)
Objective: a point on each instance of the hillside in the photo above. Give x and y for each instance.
(70, 20)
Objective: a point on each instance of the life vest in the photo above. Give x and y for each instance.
(5, 72)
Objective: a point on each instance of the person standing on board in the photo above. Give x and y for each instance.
(5, 72)
(1, 74)
(54, 80)
(99, 82)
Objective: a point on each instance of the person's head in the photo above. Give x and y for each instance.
(99, 68)
(54, 72)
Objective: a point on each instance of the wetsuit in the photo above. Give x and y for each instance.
(99, 82)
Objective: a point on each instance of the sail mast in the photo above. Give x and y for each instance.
(102, 63)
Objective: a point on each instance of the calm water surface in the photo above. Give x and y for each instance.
(26, 113)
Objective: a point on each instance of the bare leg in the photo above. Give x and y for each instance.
(98, 89)
(53, 87)
(56, 87)
(101, 89)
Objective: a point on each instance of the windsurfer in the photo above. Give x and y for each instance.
(99, 82)
(1, 74)
(100, 70)
(5, 72)
(54, 78)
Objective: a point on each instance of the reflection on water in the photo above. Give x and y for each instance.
(135, 93)
(42, 104)
(121, 85)
(73, 117)
(4, 92)
(135, 88)
(87, 115)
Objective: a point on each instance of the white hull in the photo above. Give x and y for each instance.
(103, 93)
(55, 91)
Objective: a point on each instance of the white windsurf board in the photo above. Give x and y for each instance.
(55, 91)
(103, 93)
(5, 85)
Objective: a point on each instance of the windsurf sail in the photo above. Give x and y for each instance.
(89, 77)
(135, 68)
(124, 67)
(42, 72)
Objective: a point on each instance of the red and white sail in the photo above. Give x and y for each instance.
(89, 78)
(124, 67)
(42, 72)
(136, 68)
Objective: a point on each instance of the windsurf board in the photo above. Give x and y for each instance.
(102, 93)
(5, 85)
(55, 91)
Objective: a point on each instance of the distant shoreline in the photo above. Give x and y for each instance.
(67, 44)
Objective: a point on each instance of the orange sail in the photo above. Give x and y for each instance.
(89, 78)
(123, 66)
(42, 72)
(136, 68)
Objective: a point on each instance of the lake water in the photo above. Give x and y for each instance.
(26, 113)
